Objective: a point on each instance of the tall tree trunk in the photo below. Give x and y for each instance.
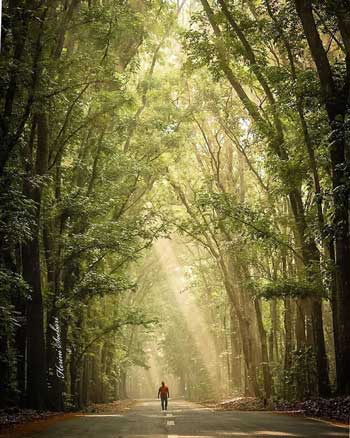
(85, 382)
(288, 347)
(302, 388)
(265, 358)
(36, 356)
(55, 359)
(335, 98)
(274, 329)
(244, 324)
(236, 352)
(19, 23)
(122, 385)
(36, 364)
(311, 260)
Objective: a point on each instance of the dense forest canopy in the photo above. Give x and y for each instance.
(174, 192)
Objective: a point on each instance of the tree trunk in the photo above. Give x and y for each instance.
(301, 365)
(55, 362)
(275, 330)
(265, 358)
(36, 365)
(245, 329)
(85, 382)
(288, 347)
(73, 378)
(36, 356)
(236, 354)
(335, 98)
(122, 383)
(55, 359)
(321, 356)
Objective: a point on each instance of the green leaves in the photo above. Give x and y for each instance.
(17, 215)
(98, 284)
(289, 288)
(12, 284)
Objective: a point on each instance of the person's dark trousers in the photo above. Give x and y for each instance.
(164, 401)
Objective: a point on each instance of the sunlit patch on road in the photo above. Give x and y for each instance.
(259, 433)
(270, 433)
(141, 436)
(99, 415)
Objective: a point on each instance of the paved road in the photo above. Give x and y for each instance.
(188, 420)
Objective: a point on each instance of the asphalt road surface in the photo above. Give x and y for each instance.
(188, 420)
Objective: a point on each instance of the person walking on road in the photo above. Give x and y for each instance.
(163, 393)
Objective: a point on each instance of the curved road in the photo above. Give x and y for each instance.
(188, 420)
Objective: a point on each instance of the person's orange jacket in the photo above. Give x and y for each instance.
(163, 391)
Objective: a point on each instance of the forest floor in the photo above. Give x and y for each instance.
(16, 422)
(334, 409)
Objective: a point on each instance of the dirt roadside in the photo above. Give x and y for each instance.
(333, 411)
